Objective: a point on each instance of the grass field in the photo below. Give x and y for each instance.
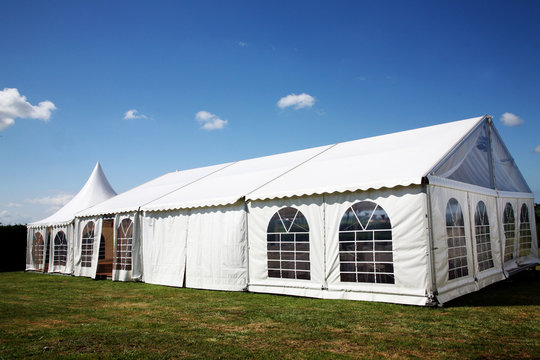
(45, 316)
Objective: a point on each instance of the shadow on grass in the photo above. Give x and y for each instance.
(522, 289)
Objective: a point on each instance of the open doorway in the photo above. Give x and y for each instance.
(105, 259)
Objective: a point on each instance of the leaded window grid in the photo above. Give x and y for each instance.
(525, 240)
(366, 254)
(509, 226)
(38, 248)
(483, 237)
(60, 249)
(124, 245)
(87, 248)
(288, 251)
(456, 241)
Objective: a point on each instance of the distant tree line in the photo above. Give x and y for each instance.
(13, 254)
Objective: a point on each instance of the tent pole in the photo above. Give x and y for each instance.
(247, 242)
(432, 290)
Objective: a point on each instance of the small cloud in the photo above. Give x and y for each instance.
(537, 149)
(298, 101)
(510, 119)
(361, 78)
(56, 201)
(210, 121)
(14, 105)
(242, 44)
(13, 205)
(134, 114)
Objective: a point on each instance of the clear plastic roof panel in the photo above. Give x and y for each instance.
(470, 161)
(482, 159)
(507, 175)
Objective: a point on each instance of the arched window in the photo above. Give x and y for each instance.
(483, 238)
(456, 241)
(288, 245)
(509, 225)
(38, 246)
(524, 232)
(60, 249)
(365, 245)
(87, 245)
(124, 241)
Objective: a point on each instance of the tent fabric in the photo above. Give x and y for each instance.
(260, 213)
(398, 159)
(216, 254)
(55, 265)
(232, 183)
(406, 209)
(413, 217)
(164, 247)
(120, 273)
(96, 190)
(80, 267)
(133, 199)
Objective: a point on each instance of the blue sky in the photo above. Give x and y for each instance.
(205, 79)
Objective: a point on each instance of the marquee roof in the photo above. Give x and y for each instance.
(399, 159)
(96, 190)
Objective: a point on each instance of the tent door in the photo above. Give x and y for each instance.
(105, 260)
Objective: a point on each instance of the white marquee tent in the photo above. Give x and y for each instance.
(414, 217)
(54, 235)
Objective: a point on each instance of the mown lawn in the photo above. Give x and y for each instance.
(45, 316)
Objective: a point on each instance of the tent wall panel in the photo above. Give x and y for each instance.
(407, 210)
(217, 248)
(58, 252)
(80, 266)
(449, 288)
(494, 272)
(164, 236)
(260, 214)
(512, 241)
(127, 263)
(532, 257)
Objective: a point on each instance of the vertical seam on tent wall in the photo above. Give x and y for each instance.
(246, 224)
(184, 280)
(325, 283)
(500, 227)
(291, 169)
(473, 238)
(431, 245)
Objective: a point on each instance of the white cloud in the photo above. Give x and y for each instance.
(55, 201)
(14, 105)
(510, 119)
(242, 44)
(210, 121)
(134, 114)
(12, 205)
(298, 101)
(537, 149)
(12, 218)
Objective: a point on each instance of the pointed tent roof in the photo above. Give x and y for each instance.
(96, 190)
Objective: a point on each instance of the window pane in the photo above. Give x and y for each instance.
(288, 240)
(358, 253)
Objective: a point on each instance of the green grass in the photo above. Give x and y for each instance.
(45, 316)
